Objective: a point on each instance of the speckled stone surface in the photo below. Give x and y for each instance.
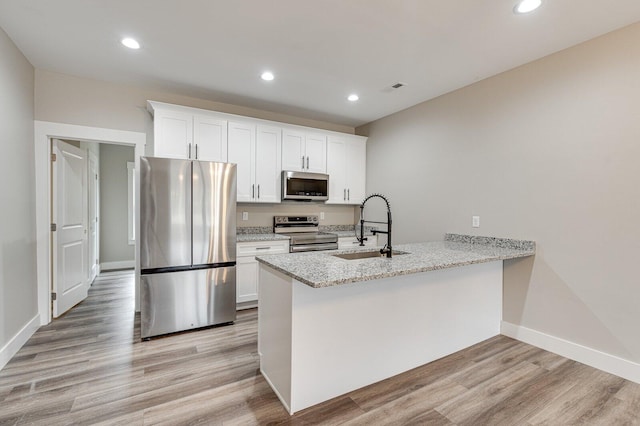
(321, 269)
(254, 230)
(492, 241)
(247, 238)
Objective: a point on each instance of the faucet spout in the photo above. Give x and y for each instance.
(387, 249)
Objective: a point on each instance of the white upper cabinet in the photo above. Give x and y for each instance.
(304, 151)
(346, 166)
(256, 150)
(242, 151)
(268, 167)
(186, 135)
(261, 149)
(209, 138)
(173, 134)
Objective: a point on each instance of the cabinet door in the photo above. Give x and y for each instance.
(241, 150)
(356, 161)
(246, 279)
(173, 134)
(316, 153)
(210, 139)
(268, 167)
(293, 150)
(336, 168)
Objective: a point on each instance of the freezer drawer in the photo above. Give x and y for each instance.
(177, 301)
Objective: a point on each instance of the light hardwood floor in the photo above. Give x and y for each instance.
(90, 367)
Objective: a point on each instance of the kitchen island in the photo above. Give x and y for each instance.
(327, 325)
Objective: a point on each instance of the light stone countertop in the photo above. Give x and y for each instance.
(265, 233)
(321, 269)
(248, 238)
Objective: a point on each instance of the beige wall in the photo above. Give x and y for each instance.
(262, 214)
(549, 151)
(114, 237)
(18, 300)
(67, 99)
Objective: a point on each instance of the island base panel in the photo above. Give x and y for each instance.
(344, 337)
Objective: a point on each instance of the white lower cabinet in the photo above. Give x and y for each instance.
(352, 242)
(247, 269)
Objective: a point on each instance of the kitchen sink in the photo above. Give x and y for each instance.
(366, 255)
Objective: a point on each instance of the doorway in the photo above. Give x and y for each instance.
(90, 236)
(44, 133)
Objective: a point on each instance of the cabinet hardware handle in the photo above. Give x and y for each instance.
(344, 194)
(253, 191)
(189, 151)
(307, 163)
(196, 151)
(263, 248)
(258, 191)
(303, 162)
(348, 194)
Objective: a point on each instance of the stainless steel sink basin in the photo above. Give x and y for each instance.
(366, 255)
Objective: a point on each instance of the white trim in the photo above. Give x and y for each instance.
(43, 132)
(603, 361)
(131, 202)
(122, 264)
(16, 342)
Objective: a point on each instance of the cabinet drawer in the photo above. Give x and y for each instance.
(262, 247)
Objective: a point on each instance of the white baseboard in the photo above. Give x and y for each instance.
(602, 361)
(122, 264)
(13, 346)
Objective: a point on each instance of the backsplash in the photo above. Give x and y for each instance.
(261, 215)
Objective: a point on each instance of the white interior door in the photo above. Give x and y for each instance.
(69, 214)
(92, 246)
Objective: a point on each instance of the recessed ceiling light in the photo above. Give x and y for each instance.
(131, 43)
(526, 6)
(353, 97)
(267, 76)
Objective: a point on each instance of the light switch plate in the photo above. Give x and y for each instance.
(475, 221)
(321, 215)
(245, 215)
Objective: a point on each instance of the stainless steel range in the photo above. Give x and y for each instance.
(304, 233)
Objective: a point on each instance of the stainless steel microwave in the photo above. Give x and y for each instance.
(303, 186)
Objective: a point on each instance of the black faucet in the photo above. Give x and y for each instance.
(387, 248)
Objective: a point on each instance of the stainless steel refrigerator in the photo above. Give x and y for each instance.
(187, 244)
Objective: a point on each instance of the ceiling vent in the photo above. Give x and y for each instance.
(398, 85)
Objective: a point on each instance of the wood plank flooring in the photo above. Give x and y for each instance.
(90, 367)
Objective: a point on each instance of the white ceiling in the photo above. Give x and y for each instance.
(320, 51)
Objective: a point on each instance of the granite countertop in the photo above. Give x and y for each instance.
(265, 233)
(247, 238)
(321, 269)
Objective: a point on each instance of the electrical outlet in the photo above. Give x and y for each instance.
(245, 215)
(475, 221)
(321, 215)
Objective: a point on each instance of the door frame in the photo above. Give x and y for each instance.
(44, 131)
(93, 198)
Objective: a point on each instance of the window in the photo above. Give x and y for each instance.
(131, 201)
